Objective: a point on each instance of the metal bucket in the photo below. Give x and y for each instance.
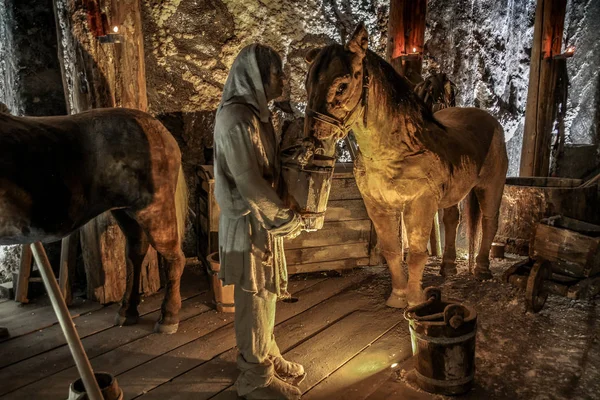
(222, 295)
(308, 187)
(443, 341)
(108, 384)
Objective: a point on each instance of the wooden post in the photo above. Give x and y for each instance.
(406, 37)
(539, 112)
(25, 267)
(68, 257)
(102, 60)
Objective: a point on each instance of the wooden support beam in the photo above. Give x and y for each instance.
(406, 37)
(541, 104)
(102, 60)
(68, 258)
(25, 267)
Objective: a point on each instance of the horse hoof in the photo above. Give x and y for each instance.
(448, 269)
(166, 329)
(415, 297)
(396, 301)
(121, 320)
(482, 274)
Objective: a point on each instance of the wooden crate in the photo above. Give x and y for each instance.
(347, 239)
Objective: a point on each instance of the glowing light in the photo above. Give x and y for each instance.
(394, 365)
(115, 29)
(570, 50)
(414, 49)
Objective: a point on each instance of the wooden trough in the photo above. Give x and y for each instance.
(526, 201)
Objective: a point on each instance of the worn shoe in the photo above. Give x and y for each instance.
(285, 368)
(277, 389)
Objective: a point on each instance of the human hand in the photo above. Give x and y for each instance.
(297, 230)
(289, 229)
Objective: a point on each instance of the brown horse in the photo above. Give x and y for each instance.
(57, 173)
(410, 161)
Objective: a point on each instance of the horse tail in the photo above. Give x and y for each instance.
(181, 204)
(472, 214)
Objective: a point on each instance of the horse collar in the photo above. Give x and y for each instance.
(344, 124)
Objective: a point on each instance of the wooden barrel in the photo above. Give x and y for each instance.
(222, 295)
(308, 187)
(526, 201)
(108, 387)
(443, 341)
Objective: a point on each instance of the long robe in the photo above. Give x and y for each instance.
(253, 217)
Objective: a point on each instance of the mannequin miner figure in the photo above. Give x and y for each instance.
(254, 220)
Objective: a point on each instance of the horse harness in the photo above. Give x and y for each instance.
(344, 124)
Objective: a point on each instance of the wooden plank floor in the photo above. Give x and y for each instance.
(339, 328)
(337, 315)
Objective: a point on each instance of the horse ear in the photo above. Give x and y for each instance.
(359, 43)
(311, 55)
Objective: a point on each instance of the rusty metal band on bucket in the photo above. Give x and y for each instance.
(444, 382)
(442, 340)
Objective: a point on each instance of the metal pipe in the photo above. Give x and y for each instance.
(66, 323)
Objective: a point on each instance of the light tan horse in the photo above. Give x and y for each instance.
(409, 161)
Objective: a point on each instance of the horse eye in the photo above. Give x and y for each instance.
(341, 89)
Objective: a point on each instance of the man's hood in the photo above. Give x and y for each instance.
(244, 84)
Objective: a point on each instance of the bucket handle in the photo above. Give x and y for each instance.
(433, 295)
(453, 315)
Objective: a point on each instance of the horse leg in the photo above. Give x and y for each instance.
(387, 226)
(489, 202)
(418, 217)
(136, 249)
(159, 221)
(451, 217)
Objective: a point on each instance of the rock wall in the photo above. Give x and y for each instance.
(582, 30)
(483, 45)
(8, 69)
(30, 81)
(29, 62)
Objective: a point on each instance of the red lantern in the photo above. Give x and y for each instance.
(97, 21)
(98, 24)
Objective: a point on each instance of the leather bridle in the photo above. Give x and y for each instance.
(344, 124)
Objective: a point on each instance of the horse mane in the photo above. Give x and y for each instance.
(398, 88)
(400, 95)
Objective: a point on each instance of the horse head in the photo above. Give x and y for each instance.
(336, 86)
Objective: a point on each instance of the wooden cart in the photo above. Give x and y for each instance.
(564, 260)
